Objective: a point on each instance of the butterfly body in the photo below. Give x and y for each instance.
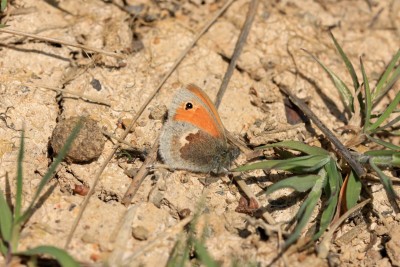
(193, 138)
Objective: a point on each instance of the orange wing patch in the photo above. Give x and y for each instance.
(200, 94)
(199, 117)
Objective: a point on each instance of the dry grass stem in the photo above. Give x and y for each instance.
(58, 41)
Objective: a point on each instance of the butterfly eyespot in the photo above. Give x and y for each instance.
(188, 106)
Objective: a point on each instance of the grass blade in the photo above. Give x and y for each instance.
(332, 190)
(387, 184)
(3, 248)
(180, 253)
(298, 183)
(368, 101)
(265, 164)
(353, 190)
(50, 171)
(347, 62)
(380, 153)
(60, 255)
(389, 124)
(378, 89)
(203, 254)
(383, 143)
(339, 84)
(3, 5)
(392, 80)
(5, 219)
(306, 164)
(18, 196)
(304, 214)
(299, 146)
(385, 114)
(302, 163)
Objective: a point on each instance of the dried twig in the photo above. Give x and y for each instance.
(58, 41)
(140, 175)
(89, 98)
(136, 116)
(342, 150)
(238, 49)
(323, 248)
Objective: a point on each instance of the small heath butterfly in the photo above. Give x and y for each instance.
(193, 137)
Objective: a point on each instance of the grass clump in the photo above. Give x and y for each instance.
(13, 218)
(318, 171)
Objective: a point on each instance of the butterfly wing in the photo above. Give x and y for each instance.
(193, 138)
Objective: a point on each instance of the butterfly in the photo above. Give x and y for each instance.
(193, 137)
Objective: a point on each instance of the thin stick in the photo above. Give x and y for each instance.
(238, 49)
(58, 41)
(141, 175)
(246, 190)
(323, 248)
(342, 150)
(91, 99)
(136, 116)
(116, 138)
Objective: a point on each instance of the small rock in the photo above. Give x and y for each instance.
(81, 190)
(96, 84)
(158, 112)
(87, 146)
(184, 213)
(140, 233)
(156, 197)
(393, 246)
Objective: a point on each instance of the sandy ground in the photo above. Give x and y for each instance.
(151, 38)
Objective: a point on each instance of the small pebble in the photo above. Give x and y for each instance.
(140, 233)
(96, 84)
(158, 112)
(184, 213)
(81, 190)
(87, 146)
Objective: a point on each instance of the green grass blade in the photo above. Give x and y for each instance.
(18, 196)
(5, 219)
(385, 114)
(332, 190)
(380, 153)
(396, 160)
(389, 124)
(298, 146)
(3, 5)
(203, 254)
(298, 183)
(339, 84)
(60, 255)
(3, 248)
(353, 190)
(347, 62)
(51, 170)
(383, 143)
(378, 89)
(305, 212)
(313, 163)
(302, 163)
(265, 164)
(368, 101)
(392, 80)
(180, 253)
(386, 182)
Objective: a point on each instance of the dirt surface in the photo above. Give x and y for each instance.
(151, 38)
